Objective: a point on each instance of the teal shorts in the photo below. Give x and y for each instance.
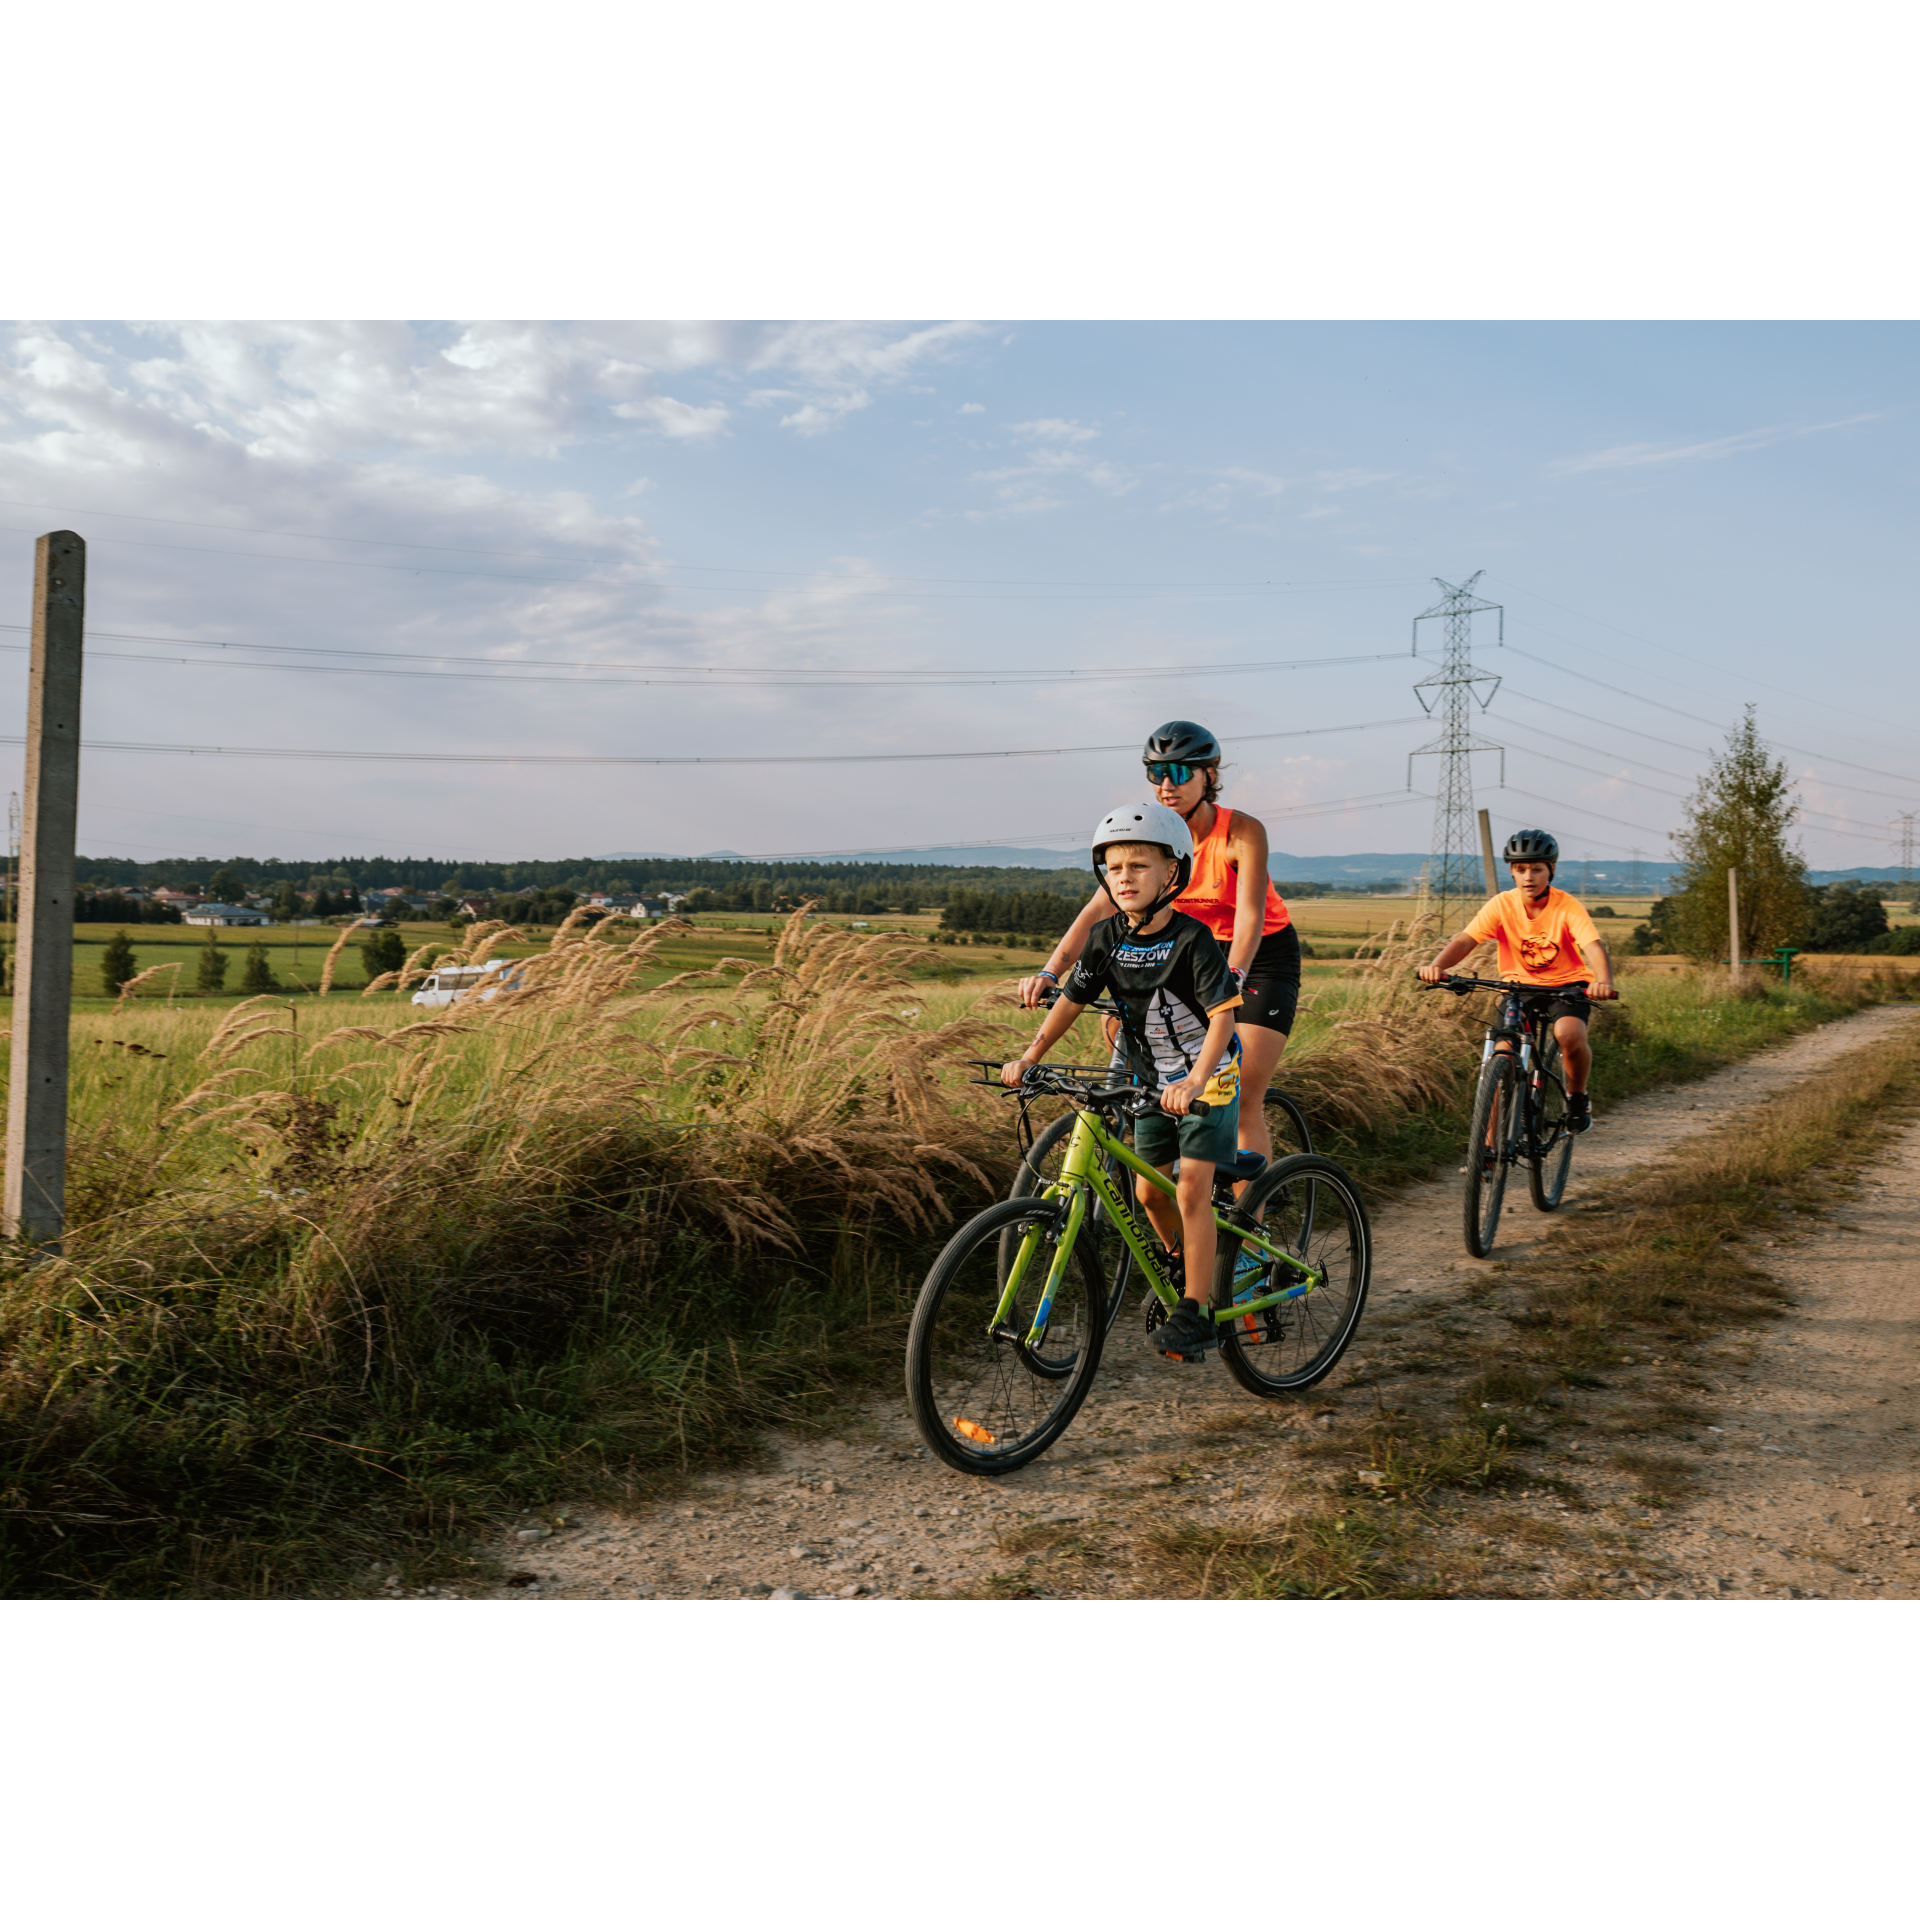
(1159, 1139)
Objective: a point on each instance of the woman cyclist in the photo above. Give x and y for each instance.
(1232, 897)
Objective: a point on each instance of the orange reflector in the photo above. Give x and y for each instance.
(972, 1430)
(1252, 1329)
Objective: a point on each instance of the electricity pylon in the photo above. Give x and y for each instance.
(1904, 823)
(1455, 874)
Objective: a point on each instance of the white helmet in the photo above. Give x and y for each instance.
(1153, 825)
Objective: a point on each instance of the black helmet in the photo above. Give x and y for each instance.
(1182, 740)
(1532, 843)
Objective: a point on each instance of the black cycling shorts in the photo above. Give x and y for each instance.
(1271, 995)
(1557, 1006)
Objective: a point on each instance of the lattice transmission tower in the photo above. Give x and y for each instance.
(1903, 825)
(1455, 875)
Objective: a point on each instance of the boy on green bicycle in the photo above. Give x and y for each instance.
(1170, 979)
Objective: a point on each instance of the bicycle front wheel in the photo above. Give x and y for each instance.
(1489, 1151)
(984, 1400)
(1549, 1163)
(1310, 1207)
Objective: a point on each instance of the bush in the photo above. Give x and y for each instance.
(212, 974)
(257, 977)
(117, 965)
(1845, 919)
(383, 952)
(1898, 940)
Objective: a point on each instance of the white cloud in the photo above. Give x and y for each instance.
(1656, 453)
(1070, 431)
(822, 416)
(971, 406)
(675, 418)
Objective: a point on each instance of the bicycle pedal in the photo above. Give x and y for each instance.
(1185, 1359)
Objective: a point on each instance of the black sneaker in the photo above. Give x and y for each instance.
(1189, 1334)
(1579, 1112)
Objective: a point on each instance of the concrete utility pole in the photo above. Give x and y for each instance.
(36, 1182)
(1486, 854)
(1733, 922)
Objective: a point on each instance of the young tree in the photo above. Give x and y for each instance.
(117, 965)
(383, 952)
(1738, 818)
(212, 976)
(257, 976)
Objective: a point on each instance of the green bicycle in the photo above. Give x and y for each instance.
(1011, 1322)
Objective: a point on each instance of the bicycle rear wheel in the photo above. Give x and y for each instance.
(1310, 1207)
(1489, 1146)
(1548, 1166)
(983, 1400)
(1287, 1122)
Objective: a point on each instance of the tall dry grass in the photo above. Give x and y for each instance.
(410, 1256)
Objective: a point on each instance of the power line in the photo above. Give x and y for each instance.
(1679, 746)
(666, 760)
(1885, 773)
(1666, 648)
(670, 676)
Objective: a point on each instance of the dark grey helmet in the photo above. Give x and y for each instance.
(1183, 740)
(1532, 843)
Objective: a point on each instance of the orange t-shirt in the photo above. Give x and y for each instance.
(1538, 951)
(1214, 891)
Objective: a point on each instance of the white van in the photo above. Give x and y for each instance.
(444, 985)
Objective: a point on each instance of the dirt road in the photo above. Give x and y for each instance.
(1810, 1482)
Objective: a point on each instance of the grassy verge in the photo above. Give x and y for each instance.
(344, 1285)
(1501, 1442)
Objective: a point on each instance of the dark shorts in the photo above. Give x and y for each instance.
(1558, 1006)
(1271, 996)
(1159, 1139)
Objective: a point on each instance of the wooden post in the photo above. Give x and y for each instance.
(1733, 923)
(36, 1177)
(1486, 854)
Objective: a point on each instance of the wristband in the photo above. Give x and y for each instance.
(1239, 976)
(1047, 973)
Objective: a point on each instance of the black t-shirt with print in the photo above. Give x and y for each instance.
(1167, 984)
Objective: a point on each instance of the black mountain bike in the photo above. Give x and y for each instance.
(1519, 1107)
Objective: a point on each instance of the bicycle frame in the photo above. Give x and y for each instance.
(1528, 1044)
(1084, 1179)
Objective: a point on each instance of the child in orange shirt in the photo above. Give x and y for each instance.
(1548, 943)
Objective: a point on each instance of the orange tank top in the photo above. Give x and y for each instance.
(1214, 891)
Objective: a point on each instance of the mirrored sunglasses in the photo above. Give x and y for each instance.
(1177, 771)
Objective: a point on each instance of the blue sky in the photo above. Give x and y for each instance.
(510, 522)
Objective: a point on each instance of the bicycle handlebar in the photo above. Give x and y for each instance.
(1102, 1005)
(1087, 1085)
(1467, 982)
